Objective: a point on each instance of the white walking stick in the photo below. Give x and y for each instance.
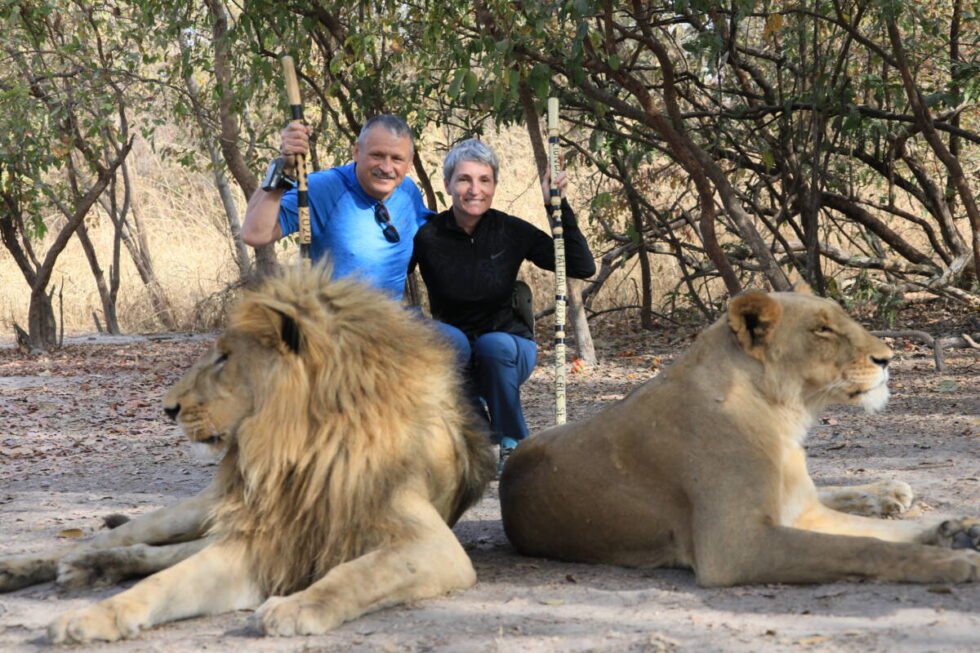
(558, 236)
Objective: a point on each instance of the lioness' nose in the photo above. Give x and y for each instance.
(172, 411)
(881, 361)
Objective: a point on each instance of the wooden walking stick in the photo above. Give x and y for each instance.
(302, 197)
(558, 236)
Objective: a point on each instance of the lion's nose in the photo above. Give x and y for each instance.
(881, 361)
(172, 411)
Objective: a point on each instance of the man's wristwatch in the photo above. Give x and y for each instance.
(276, 178)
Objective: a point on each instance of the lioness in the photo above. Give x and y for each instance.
(349, 455)
(704, 467)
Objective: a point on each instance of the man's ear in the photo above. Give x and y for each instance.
(752, 318)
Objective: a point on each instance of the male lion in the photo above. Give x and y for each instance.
(349, 455)
(704, 467)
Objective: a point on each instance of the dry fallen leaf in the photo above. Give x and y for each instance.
(809, 641)
(71, 532)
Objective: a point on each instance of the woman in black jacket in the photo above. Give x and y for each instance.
(469, 257)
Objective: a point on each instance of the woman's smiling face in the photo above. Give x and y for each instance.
(472, 187)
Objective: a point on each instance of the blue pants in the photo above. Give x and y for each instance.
(496, 364)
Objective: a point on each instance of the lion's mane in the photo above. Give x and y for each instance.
(350, 409)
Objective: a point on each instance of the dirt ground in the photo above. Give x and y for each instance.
(83, 436)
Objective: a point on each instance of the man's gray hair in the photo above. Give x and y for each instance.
(469, 150)
(390, 123)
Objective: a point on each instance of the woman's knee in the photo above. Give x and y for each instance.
(506, 351)
(497, 347)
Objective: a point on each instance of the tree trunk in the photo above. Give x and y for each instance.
(265, 256)
(41, 322)
(425, 182)
(584, 346)
(139, 252)
(533, 128)
(954, 91)
(646, 299)
(134, 238)
(41, 326)
(108, 302)
(239, 248)
(811, 207)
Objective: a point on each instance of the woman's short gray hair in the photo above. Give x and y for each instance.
(470, 150)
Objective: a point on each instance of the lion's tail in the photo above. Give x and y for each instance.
(479, 465)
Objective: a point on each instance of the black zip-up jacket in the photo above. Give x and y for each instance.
(470, 278)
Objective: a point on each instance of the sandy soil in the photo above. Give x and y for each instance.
(83, 437)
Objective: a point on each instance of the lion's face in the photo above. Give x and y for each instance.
(811, 341)
(218, 392)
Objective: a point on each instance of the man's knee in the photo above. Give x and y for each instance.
(458, 341)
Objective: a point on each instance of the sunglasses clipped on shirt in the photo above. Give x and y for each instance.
(383, 218)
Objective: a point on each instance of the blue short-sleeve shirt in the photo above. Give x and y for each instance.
(344, 230)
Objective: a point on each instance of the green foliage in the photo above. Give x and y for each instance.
(62, 86)
(778, 95)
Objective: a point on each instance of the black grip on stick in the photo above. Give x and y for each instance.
(302, 196)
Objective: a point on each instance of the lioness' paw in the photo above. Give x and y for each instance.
(962, 567)
(959, 534)
(99, 622)
(894, 497)
(881, 499)
(285, 616)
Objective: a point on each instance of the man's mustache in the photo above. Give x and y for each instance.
(380, 174)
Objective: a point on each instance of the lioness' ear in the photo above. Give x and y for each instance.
(752, 317)
(798, 283)
(802, 287)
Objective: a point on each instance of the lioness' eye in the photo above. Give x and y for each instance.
(824, 330)
(221, 359)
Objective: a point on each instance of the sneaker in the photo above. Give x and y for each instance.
(504, 455)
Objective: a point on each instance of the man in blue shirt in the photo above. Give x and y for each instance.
(363, 215)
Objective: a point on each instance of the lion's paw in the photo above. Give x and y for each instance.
(89, 569)
(99, 622)
(285, 616)
(959, 534)
(23, 570)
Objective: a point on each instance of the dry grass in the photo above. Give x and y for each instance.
(188, 241)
